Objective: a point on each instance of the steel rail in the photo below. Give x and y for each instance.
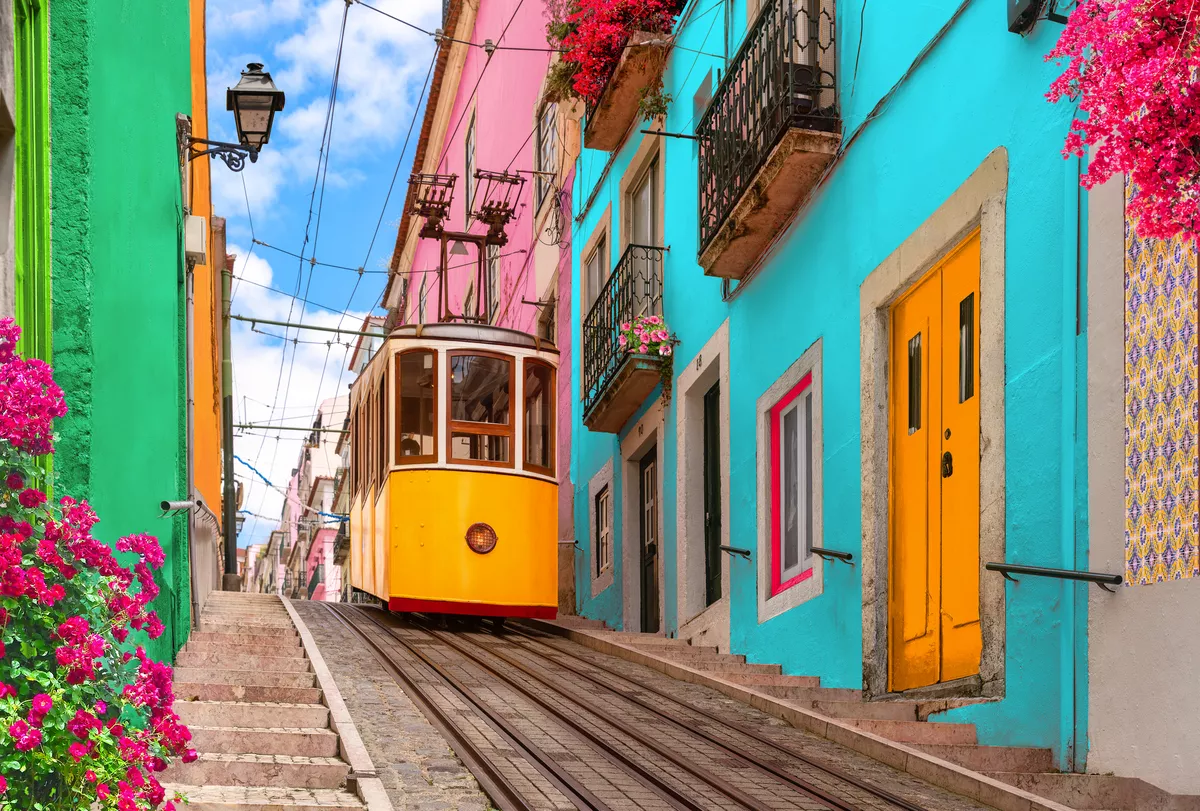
(799, 784)
(749, 732)
(498, 788)
(716, 782)
(673, 797)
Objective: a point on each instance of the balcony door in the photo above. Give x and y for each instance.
(643, 202)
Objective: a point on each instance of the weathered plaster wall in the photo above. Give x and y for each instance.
(118, 294)
(909, 159)
(1144, 723)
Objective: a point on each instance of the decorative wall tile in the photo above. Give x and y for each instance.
(1161, 409)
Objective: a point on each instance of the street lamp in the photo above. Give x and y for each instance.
(254, 102)
(238, 523)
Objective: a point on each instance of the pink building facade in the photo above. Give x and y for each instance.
(488, 113)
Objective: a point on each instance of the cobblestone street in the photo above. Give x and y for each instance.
(417, 768)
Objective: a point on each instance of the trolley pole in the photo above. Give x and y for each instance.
(231, 581)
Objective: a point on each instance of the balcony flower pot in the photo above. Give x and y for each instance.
(638, 75)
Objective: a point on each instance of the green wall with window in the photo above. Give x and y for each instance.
(119, 74)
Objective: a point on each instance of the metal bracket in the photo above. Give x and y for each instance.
(833, 554)
(733, 550)
(234, 155)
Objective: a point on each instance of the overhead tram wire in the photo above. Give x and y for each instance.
(250, 253)
(322, 154)
(443, 37)
(375, 234)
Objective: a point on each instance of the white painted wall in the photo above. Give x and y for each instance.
(1143, 644)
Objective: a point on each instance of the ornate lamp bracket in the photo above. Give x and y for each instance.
(234, 155)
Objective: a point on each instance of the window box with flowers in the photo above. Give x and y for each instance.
(613, 57)
(628, 348)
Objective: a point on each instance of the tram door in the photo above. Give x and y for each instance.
(648, 503)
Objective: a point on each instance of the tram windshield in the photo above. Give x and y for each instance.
(480, 395)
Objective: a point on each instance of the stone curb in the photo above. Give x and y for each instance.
(921, 765)
(362, 771)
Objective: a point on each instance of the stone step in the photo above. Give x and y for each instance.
(916, 731)
(189, 691)
(730, 667)
(806, 693)
(214, 769)
(250, 798)
(224, 638)
(264, 648)
(266, 623)
(311, 742)
(993, 758)
(685, 654)
(271, 615)
(757, 680)
(245, 678)
(256, 715)
(652, 641)
(248, 630)
(1099, 791)
(866, 710)
(582, 623)
(243, 661)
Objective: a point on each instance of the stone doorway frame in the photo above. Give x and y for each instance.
(648, 432)
(978, 203)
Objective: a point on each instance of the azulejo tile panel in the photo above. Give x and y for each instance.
(1161, 409)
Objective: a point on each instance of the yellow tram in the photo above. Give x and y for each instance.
(454, 500)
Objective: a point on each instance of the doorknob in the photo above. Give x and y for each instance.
(947, 465)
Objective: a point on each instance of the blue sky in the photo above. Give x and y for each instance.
(382, 69)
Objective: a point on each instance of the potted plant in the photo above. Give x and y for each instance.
(648, 335)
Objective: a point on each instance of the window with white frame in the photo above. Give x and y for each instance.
(603, 514)
(470, 165)
(790, 523)
(547, 151)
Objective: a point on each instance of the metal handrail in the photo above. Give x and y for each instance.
(782, 77)
(833, 554)
(1098, 578)
(734, 550)
(634, 288)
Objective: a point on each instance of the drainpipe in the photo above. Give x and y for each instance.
(189, 320)
(231, 581)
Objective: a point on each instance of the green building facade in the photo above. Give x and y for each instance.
(118, 74)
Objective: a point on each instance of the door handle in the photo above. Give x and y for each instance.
(947, 465)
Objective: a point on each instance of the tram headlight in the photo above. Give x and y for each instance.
(481, 538)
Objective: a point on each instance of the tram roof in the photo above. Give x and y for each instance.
(474, 333)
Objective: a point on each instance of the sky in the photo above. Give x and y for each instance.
(383, 68)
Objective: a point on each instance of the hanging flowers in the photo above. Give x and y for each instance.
(1132, 66)
(85, 721)
(648, 335)
(592, 35)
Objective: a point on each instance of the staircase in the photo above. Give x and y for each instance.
(245, 688)
(1026, 768)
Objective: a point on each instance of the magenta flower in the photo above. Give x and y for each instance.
(15, 481)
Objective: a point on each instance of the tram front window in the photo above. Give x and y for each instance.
(480, 395)
(539, 417)
(417, 395)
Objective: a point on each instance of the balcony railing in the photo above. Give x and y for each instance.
(341, 543)
(634, 288)
(781, 78)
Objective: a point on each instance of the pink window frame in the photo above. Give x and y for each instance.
(776, 495)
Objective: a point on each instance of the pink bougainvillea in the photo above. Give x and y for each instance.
(1133, 65)
(85, 722)
(592, 35)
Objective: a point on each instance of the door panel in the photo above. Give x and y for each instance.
(648, 503)
(712, 495)
(934, 627)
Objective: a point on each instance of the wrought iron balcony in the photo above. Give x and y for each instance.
(772, 128)
(616, 382)
(341, 543)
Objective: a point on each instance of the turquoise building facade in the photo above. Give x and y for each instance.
(944, 139)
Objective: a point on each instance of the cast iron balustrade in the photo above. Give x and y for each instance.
(341, 543)
(771, 128)
(614, 380)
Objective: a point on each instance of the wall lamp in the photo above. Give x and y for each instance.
(254, 103)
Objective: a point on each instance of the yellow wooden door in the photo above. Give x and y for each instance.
(934, 632)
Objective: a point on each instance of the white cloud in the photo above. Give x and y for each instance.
(314, 376)
(383, 66)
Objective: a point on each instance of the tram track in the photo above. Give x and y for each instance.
(524, 665)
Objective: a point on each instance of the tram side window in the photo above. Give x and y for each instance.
(381, 441)
(416, 398)
(539, 417)
(480, 395)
